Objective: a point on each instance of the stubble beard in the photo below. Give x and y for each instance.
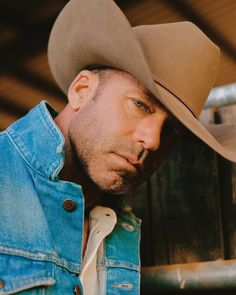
(105, 179)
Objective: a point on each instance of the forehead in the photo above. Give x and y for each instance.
(127, 80)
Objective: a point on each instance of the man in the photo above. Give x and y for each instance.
(63, 226)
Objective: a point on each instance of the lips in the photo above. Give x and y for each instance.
(133, 159)
(128, 161)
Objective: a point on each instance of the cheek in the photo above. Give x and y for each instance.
(84, 126)
(90, 136)
(100, 130)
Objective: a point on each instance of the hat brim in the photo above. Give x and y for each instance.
(72, 46)
(220, 137)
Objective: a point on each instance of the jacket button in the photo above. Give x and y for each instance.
(1, 284)
(77, 290)
(69, 205)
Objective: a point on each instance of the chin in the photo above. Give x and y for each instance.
(115, 188)
(117, 185)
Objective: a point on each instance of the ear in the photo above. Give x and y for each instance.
(81, 89)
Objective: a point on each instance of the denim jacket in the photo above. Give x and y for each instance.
(40, 242)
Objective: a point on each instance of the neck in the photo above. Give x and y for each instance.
(72, 170)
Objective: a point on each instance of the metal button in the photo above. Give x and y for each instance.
(77, 290)
(1, 284)
(69, 205)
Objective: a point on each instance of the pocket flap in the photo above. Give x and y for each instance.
(19, 273)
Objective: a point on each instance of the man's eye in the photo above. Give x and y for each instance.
(141, 105)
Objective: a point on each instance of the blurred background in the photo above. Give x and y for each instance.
(25, 78)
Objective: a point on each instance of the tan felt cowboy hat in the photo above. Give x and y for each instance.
(175, 61)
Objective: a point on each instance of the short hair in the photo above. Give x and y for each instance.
(103, 74)
(102, 70)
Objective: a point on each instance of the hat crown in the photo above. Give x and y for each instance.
(182, 59)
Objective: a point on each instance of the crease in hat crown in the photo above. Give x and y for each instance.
(177, 62)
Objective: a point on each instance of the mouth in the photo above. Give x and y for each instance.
(126, 163)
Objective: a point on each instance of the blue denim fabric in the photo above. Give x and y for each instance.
(40, 242)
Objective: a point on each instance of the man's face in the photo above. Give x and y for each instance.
(117, 135)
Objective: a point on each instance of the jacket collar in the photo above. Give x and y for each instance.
(39, 140)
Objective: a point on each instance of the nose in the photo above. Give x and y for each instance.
(148, 132)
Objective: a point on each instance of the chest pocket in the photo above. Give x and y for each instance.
(22, 275)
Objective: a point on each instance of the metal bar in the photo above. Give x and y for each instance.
(219, 274)
(222, 96)
(202, 276)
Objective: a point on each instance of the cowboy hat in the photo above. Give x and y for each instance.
(175, 61)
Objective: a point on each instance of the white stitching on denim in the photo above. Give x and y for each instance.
(52, 257)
